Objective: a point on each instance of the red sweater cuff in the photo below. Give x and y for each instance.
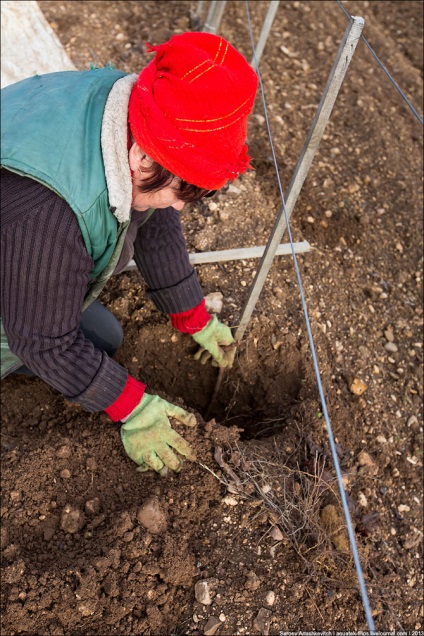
(191, 321)
(130, 397)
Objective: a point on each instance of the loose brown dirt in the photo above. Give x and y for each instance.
(263, 525)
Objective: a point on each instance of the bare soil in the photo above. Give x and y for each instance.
(263, 526)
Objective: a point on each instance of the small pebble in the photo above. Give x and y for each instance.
(230, 501)
(65, 473)
(389, 335)
(270, 598)
(412, 420)
(201, 592)
(357, 386)
(362, 500)
(222, 617)
(403, 508)
(390, 347)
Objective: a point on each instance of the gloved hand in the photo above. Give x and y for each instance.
(147, 435)
(214, 340)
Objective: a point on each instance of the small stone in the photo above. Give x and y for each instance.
(310, 219)
(390, 347)
(92, 506)
(212, 626)
(15, 495)
(412, 420)
(230, 501)
(65, 473)
(353, 187)
(232, 189)
(357, 386)
(71, 520)
(403, 508)
(222, 617)
(260, 119)
(367, 464)
(152, 516)
(213, 302)
(276, 534)
(270, 598)
(381, 439)
(328, 214)
(201, 592)
(63, 452)
(389, 335)
(119, 37)
(262, 622)
(362, 500)
(212, 206)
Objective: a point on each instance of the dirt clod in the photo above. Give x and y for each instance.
(72, 519)
(152, 516)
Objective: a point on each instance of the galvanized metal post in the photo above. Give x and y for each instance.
(215, 13)
(266, 28)
(334, 82)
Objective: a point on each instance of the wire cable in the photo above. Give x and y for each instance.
(395, 84)
(343, 496)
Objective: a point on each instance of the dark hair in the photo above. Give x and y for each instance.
(160, 177)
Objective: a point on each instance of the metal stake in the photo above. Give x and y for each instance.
(236, 254)
(335, 79)
(215, 13)
(266, 28)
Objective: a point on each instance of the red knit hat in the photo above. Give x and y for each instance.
(188, 109)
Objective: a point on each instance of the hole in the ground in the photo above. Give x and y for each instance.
(257, 395)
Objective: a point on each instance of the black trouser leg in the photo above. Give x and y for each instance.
(100, 326)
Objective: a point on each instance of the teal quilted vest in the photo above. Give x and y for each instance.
(51, 132)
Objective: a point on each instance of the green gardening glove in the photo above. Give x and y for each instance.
(148, 438)
(216, 341)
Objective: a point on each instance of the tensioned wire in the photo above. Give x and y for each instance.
(343, 496)
(395, 84)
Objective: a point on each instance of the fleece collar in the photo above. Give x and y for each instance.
(115, 148)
